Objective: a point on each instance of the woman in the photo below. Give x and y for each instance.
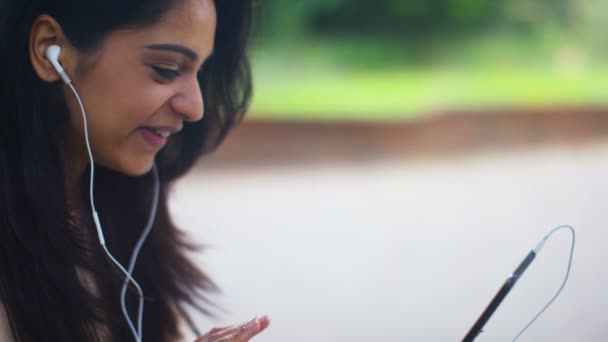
(141, 68)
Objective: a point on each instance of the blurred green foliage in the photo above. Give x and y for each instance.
(399, 58)
(422, 18)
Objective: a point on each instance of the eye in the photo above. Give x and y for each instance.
(166, 74)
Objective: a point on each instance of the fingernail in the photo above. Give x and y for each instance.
(251, 323)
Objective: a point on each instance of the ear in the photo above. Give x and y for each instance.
(45, 32)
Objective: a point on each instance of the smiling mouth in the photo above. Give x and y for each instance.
(162, 134)
(154, 137)
(157, 135)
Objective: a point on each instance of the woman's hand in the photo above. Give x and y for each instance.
(236, 333)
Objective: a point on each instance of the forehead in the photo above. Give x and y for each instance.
(189, 22)
(190, 15)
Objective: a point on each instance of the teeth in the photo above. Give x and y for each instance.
(162, 133)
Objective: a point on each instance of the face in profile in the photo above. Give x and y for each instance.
(140, 86)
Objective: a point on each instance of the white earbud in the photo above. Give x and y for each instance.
(52, 54)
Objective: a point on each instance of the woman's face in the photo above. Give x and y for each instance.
(139, 87)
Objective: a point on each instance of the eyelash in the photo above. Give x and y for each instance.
(167, 74)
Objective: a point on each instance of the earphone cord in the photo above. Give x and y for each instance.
(128, 277)
(559, 291)
(137, 249)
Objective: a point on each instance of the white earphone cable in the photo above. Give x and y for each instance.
(129, 278)
(559, 291)
(138, 247)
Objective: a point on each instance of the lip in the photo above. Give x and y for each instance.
(170, 129)
(154, 139)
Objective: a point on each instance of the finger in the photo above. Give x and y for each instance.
(264, 323)
(244, 333)
(213, 332)
(251, 329)
(230, 331)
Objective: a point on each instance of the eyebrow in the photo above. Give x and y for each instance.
(174, 48)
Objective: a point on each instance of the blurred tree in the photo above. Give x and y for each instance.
(594, 24)
(463, 11)
(376, 17)
(283, 19)
(540, 13)
(422, 23)
(419, 16)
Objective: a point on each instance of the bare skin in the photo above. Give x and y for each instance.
(135, 83)
(238, 333)
(138, 89)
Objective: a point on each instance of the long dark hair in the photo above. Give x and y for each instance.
(47, 256)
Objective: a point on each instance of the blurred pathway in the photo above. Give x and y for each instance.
(405, 250)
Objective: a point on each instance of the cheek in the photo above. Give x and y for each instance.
(119, 98)
(122, 106)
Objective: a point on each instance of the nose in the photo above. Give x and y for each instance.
(188, 102)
